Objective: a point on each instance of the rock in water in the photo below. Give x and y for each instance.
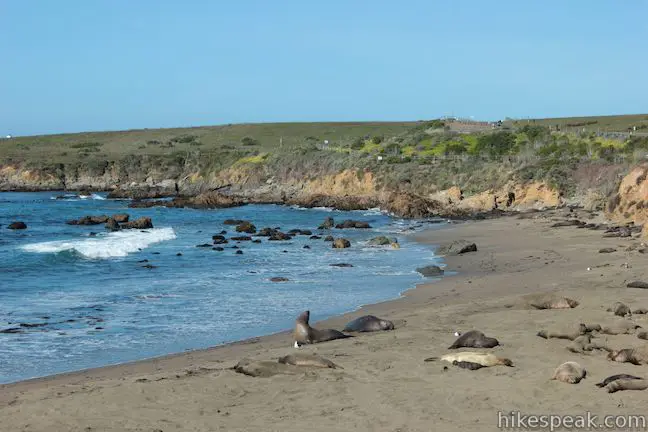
(141, 223)
(121, 217)
(430, 271)
(329, 238)
(327, 224)
(352, 224)
(341, 243)
(381, 241)
(246, 227)
(279, 279)
(233, 222)
(17, 226)
(457, 247)
(112, 225)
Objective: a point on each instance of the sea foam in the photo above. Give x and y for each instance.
(116, 244)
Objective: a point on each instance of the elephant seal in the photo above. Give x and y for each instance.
(474, 339)
(467, 365)
(484, 359)
(635, 356)
(311, 360)
(565, 334)
(305, 334)
(554, 303)
(627, 384)
(368, 323)
(609, 379)
(624, 326)
(569, 372)
(583, 344)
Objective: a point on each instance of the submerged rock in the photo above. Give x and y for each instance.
(17, 226)
(382, 241)
(279, 279)
(341, 265)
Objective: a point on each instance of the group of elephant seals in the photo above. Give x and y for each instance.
(483, 359)
(474, 339)
(368, 323)
(569, 372)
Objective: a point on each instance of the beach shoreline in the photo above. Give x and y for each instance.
(385, 385)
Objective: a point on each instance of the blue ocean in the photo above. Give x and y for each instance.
(75, 297)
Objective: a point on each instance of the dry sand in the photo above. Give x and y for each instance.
(385, 384)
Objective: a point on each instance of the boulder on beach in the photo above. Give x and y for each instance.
(246, 227)
(352, 224)
(430, 271)
(327, 224)
(17, 226)
(112, 225)
(457, 247)
(140, 223)
(341, 243)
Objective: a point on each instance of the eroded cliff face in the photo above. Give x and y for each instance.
(347, 189)
(630, 203)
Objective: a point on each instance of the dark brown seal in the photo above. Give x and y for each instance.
(474, 339)
(609, 379)
(305, 334)
(368, 323)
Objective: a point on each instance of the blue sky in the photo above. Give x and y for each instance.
(79, 65)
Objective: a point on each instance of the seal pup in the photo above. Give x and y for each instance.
(484, 359)
(474, 339)
(627, 384)
(312, 360)
(305, 334)
(609, 379)
(636, 356)
(566, 334)
(569, 372)
(368, 323)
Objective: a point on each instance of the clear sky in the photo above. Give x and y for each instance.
(82, 65)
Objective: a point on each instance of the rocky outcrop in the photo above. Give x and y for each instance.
(246, 227)
(112, 225)
(140, 223)
(208, 200)
(457, 247)
(353, 224)
(630, 202)
(328, 223)
(89, 220)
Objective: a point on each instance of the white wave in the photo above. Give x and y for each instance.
(97, 197)
(117, 244)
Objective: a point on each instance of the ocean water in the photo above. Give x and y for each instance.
(82, 301)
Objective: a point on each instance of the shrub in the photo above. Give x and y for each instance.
(249, 141)
(86, 145)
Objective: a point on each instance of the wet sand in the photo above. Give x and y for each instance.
(385, 385)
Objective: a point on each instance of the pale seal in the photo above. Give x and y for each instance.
(569, 372)
(484, 359)
(474, 339)
(311, 360)
(635, 356)
(305, 334)
(368, 323)
(627, 384)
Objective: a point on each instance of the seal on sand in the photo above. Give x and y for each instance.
(569, 372)
(620, 309)
(609, 379)
(484, 359)
(368, 323)
(635, 356)
(474, 339)
(311, 360)
(305, 334)
(627, 384)
(554, 303)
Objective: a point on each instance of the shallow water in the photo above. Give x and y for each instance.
(88, 301)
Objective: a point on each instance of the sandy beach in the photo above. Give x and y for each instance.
(385, 385)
